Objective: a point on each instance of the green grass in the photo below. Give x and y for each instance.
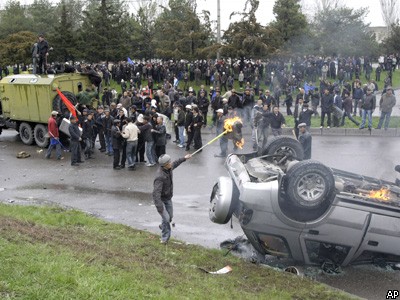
(52, 253)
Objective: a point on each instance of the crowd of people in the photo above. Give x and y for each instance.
(153, 94)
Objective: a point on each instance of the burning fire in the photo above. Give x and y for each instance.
(382, 194)
(232, 124)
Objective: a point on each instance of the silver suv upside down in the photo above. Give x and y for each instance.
(306, 211)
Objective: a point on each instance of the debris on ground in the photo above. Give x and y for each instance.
(23, 154)
(222, 271)
(242, 248)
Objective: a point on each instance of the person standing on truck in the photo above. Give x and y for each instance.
(54, 136)
(75, 145)
(35, 56)
(43, 48)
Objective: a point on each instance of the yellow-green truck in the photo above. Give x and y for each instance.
(27, 100)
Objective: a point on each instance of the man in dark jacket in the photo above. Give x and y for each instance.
(145, 130)
(87, 135)
(116, 143)
(248, 104)
(43, 48)
(348, 108)
(75, 146)
(368, 104)
(107, 122)
(277, 121)
(194, 130)
(160, 133)
(163, 192)
(337, 108)
(326, 107)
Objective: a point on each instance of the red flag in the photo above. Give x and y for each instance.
(67, 103)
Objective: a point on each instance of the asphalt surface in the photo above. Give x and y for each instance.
(125, 196)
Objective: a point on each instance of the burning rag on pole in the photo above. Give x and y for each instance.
(233, 131)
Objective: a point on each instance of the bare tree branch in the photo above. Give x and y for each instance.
(390, 11)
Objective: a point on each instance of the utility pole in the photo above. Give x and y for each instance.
(218, 27)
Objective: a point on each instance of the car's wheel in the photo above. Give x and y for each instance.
(310, 185)
(26, 133)
(58, 104)
(282, 146)
(41, 138)
(224, 198)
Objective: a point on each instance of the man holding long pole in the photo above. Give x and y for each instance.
(163, 192)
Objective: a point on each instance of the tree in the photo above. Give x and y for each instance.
(64, 39)
(248, 37)
(179, 32)
(342, 31)
(43, 17)
(144, 28)
(17, 48)
(323, 5)
(390, 11)
(392, 43)
(290, 22)
(105, 34)
(13, 19)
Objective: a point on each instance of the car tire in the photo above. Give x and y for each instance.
(223, 201)
(41, 135)
(310, 185)
(58, 104)
(284, 145)
(26, 133)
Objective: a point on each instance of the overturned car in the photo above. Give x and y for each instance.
(305, 211)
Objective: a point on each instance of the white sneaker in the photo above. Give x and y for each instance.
(321, 127)
(328, 127)
(181, 146)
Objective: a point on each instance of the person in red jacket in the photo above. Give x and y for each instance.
(54, 136)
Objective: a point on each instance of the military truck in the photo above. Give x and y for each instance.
(27, 100)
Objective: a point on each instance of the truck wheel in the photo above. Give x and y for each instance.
(310, 185)
(58, 104)
(41, 138)
(284, 145)
(26, 133)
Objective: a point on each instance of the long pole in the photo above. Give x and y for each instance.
(210, 142)
(218, 27)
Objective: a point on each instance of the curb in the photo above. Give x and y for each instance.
(391, 132)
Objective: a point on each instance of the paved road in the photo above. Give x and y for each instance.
(125, 197)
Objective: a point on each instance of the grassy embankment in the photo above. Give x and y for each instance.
(52, 253)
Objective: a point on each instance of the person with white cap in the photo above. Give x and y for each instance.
(52, 128)
(305, 140)
(163, 192)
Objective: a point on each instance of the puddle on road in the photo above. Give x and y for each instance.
(90, 190)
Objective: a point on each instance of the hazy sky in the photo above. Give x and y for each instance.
(264, 13)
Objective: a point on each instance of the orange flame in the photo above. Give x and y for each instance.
(228, 123)
(383, 194)
(228, 126)
(240, 144)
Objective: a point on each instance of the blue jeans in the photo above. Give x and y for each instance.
(166, 219)
(54, 144)
(109, 147)
(364, 115)
(149, 152)
(385, 116)
(131, 148)
(181, 130)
